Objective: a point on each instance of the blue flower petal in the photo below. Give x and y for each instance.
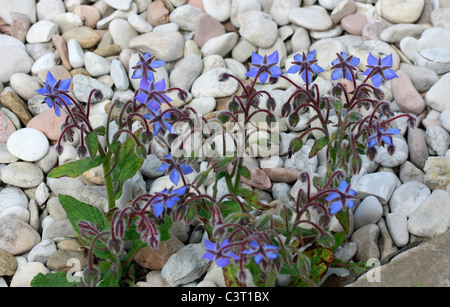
(387, 139)
(354, 61)
(317, 69)
(50, 80)
(371, 142)
(208, 256)
(343, 185)
(311, 56)
(293, 69)
(392, 131)
(137, 74)
(350, 203)
(160, 86)
(144, 84)
(263, 77)
(158, 208)
(377, 80)
(186, 169)
(258, 258)
(57, 110)
(164, 167)
(174, 176)
(335, 207)
(158, 63)
(331, 196)
(387, 61)
(42, 91)
(209, 245)
(390, 74)
(276, 71)
(257, 59)
(64, 85)
(273, 58)
(252, 72)
(222, 262)
(336, 74)
(371, 60)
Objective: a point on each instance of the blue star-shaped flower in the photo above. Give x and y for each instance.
(172, 197)
(219, 253)
(53, 90)
(152, 94)
(382, 136)
(146, 66)
(306, 66)
(380, 69)
(260, 252)
(345, 197)
(174, 174)
(265, 66)
(343, 66)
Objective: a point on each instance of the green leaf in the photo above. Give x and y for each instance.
(337, 104)
(127, 166)
(344, 219)
(78, 211)
(338, 239)
(295, 145)
(58, 279)
(320, 261)
(164, 228)
(75, 168)
(230, 206)
(243, 170)
(359, 267)
(100, 130)
(91, 140)
(318, 145)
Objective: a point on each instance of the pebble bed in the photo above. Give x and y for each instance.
(403, 197)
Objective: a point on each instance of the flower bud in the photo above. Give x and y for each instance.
(285, 109)
(153, 242)
(242, 276)
(91, 277)
(59, 149)
(411, 121)
(119, 228)
(371, 153)
(294, 118)
(82, 151)
(115, 245)
(355, 164)
(379, 94)
(336, 91)
(271, 104)
(98, 95)
(182, 95)
(233, 105)
(223, 77)
(391, 150)
(273, 80)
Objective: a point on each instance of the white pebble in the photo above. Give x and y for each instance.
(28, 144)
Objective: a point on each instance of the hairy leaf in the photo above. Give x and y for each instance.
(75, 168)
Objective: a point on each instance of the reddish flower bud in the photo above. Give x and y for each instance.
(371, 153)
(391, 150)
(115, 245)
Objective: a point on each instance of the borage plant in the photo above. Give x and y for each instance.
(243, 236)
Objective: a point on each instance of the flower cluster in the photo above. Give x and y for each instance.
(290, 241)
